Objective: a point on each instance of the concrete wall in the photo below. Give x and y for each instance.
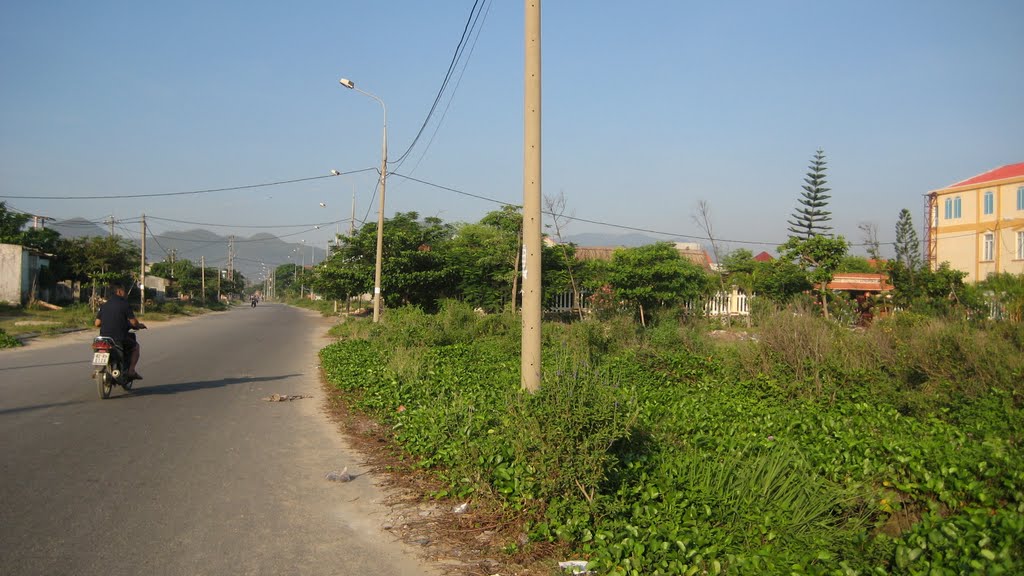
(12, 268)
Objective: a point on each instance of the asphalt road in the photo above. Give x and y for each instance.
(192, 472)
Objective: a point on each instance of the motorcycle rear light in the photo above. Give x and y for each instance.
(101, 346)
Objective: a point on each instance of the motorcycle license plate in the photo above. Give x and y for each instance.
(100, 358)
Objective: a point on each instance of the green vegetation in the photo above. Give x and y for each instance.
(8, 341)
(810, 449)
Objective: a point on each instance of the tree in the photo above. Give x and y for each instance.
(11, 224)
(655, 276)
(99, 259)
(811, 219)
(908, 248)
(820, 257)
(556, 209)
(871, 243)
(485, 258)
(414, 269)
(859, 264)
(1007, 291)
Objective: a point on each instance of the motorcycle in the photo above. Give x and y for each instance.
(110, 366)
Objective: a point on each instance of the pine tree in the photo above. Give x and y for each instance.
(811, 219)
(908, 248)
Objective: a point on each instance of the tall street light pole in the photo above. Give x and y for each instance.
(383, 186)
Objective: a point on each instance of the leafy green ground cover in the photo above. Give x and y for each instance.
(662, 452)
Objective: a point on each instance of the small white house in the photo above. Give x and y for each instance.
(19, 273)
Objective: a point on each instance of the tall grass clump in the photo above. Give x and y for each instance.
(8, 341)
(563, 437)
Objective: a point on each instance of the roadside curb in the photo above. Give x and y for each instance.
(24, 338)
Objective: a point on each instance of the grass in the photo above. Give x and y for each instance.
(808, 448)
(21, 321)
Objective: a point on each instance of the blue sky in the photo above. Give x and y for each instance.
(648, 108)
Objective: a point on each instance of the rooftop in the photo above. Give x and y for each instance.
(1001, 173)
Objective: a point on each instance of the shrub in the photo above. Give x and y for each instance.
(8, 341)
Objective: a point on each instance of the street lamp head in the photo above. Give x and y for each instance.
(335, 173)
(347, 83)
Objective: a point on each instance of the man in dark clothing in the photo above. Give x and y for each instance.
(115, 319)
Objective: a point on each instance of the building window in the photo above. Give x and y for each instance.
(1020, 245)
(988, 247)
(1020, 198)
(989, 203)
(953, 208)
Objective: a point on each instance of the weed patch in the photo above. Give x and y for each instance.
(810, 449)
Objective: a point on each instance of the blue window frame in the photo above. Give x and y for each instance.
(953, 206)
(989, 202)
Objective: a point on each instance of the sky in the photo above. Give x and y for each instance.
(649, 108)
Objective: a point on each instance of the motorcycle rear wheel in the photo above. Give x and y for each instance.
(103, 383)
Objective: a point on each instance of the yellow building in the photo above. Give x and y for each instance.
(977, 225)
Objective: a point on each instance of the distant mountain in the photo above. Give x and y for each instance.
(253, 255)
(614, 240)
(77, 228)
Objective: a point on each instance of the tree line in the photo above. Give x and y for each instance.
(98, 260)
(427, 260)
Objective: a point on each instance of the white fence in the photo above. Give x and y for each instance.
(734, 303)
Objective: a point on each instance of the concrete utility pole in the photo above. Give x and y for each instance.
(231, 258)
(142, 276)
(202, 275)
(532, 244)
(352, 220)
(111, 222)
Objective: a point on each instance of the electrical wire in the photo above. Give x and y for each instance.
(190, 192)
(437, 127)
(245, 226)
(471, 21)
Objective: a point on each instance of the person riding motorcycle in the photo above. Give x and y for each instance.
(115, 319)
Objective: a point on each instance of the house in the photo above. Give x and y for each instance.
(19, 273)
(859, 282)
(690, 251)
(977, 224)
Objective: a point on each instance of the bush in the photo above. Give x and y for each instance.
(8, 341)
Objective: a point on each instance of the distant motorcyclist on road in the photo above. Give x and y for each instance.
(115, 319)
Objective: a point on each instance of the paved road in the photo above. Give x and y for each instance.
(192, 473)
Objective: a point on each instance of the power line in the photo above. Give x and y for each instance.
(245, 226)
(467, 31)
(437, 128)
(206, 191)
(624, 227)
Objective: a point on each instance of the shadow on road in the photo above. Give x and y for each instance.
(37, 407)
(47, 365)
(204, 385)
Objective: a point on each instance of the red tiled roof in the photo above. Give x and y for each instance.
(860, 282)
(763, 257)
(1001, 173)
